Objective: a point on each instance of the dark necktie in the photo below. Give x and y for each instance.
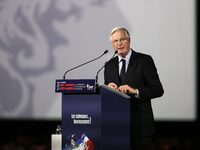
(122, 73)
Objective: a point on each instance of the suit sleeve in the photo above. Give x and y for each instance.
(152, 87)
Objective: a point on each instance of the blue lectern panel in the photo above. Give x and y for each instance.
(104, 118)
(81, 115)
(115, 118)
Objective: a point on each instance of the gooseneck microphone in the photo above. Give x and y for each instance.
(104, 66)
(106, 51)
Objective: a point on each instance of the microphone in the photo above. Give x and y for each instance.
(104, 66)
(106, 51)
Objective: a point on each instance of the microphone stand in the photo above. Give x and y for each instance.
(96, 78)
(106, 51)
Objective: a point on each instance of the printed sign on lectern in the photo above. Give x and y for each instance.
(75, 86)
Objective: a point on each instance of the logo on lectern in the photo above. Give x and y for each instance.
(83, 143)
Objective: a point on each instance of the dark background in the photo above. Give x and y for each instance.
(29, 133)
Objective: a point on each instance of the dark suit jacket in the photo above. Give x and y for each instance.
(141, 74)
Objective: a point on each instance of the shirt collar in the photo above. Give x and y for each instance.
(127, 58)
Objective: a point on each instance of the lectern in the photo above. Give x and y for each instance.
(102, 115)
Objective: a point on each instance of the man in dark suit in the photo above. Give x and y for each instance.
(139, 79)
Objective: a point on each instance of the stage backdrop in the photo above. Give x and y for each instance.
(41, 39)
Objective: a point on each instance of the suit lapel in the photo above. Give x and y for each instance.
(116, 70)
(131, 66)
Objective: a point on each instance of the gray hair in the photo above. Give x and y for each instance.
(119, 29)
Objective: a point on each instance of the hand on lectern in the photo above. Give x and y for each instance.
(113, 86)
(127, 89)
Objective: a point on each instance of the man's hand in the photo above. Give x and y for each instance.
(113, 86)
(127, 89)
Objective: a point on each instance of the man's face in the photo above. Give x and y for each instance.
(120, 42)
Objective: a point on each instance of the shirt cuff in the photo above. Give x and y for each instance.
(137, 93)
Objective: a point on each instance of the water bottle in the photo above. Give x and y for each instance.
(58, 129)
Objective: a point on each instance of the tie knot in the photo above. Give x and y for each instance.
(123, 61)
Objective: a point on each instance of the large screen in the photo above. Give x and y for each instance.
(40, 40)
